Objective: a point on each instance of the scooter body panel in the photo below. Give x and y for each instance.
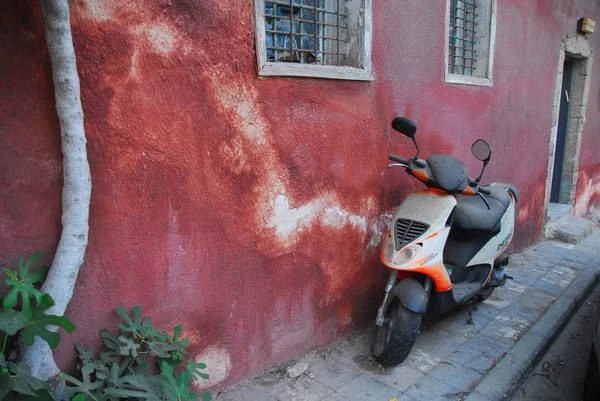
(498, 244)
(433, 208)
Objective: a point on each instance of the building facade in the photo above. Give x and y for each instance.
(239, 150)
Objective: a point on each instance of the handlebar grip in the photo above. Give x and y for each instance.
(398, 159)
(485, 191)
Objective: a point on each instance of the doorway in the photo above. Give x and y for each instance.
(568, 117)
(561, 135)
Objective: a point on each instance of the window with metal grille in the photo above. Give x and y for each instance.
(318, 38)
(462, 37)
(470, 40)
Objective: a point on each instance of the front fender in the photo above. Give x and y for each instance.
(411, 294)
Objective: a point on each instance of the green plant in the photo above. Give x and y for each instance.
(23, 310)
(124, 369)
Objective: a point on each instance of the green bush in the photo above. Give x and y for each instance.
(124, 368)
(123, 371)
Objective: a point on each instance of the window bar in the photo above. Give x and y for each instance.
(291, 30)
(465, 42)
(465, 61)
(472, 44)
(287, 48)
(337, 34)
(321, 32)
(455, 36)
(315, 31)
(450, 39)
(299, 35)
(304, 20)
(275, 33)
(298, 5)
(318, 36)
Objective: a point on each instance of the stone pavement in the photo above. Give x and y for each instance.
(451, 359)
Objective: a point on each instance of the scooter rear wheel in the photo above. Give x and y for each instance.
(396, 337)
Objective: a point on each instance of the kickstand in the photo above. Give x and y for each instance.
(470, 310)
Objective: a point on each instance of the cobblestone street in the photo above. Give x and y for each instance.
(451, 360)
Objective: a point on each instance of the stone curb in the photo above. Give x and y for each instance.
(504, 378)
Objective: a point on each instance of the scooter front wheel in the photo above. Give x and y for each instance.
(396, 337)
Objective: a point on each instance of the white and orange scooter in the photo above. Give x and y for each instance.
(445, 246)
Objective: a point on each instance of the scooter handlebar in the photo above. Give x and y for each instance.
(398, 159)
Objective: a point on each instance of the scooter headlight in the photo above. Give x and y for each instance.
(406, 254)
(388, 249)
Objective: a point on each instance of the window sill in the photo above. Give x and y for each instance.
(468, 80)
(315, 71)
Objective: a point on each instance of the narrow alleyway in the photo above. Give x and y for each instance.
(451, 358)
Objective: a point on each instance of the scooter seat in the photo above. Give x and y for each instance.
(471, 213)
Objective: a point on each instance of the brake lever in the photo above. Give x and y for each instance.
(484, 200)
(397, 165)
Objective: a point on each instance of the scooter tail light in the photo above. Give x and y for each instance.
(406, 254)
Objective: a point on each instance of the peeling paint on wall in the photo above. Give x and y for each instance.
(219, 362)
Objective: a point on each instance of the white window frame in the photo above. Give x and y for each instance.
(468, 79)
(270, 68)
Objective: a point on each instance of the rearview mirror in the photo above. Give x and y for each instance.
(405, 126)
(481, 150)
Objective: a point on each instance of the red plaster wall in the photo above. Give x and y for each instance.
(587, 193)
(250, 210)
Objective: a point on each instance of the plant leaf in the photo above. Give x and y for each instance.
(147, 330)
(128, 346)
(124, 393)
(195, 369)
(133, 326)
(22, 283)
(177, 355)
(24, 383)
(87, 386)
(40, 321)
(114, 378)
(109, 356)
(85, 354)
(4, 383)
(24, 268)
(102, 370)
(150, 385)
(142, 368)
(177, 386)
(39, 395)
(206, 396)
(110, 340)
(12, 321)
(163, 349)
(22, 370)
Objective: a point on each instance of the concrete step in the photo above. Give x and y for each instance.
(558, 210)
(569, 229)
